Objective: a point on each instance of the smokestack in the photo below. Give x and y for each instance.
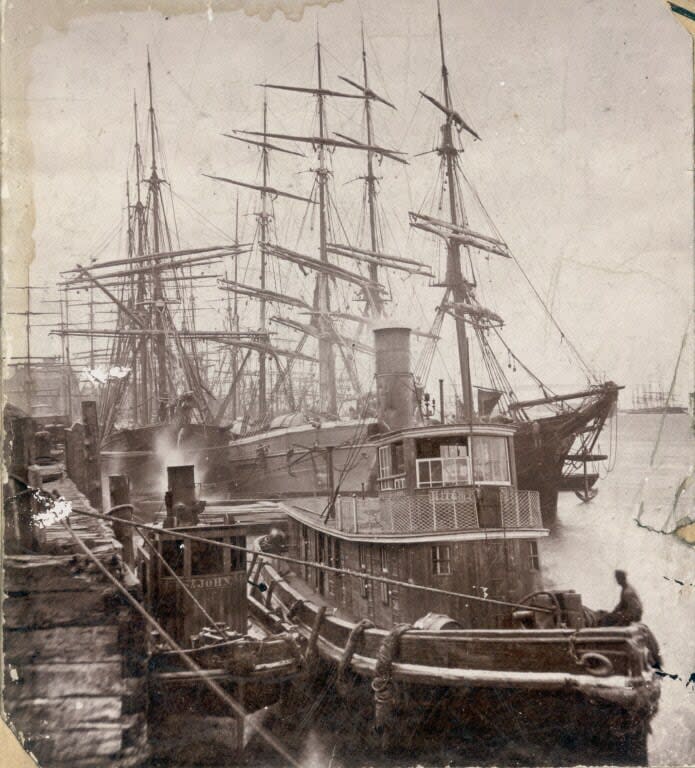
(182, 484)
(182, 507)
(397, 403)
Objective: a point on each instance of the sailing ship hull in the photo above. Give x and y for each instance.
(494, 687)
(292, 462)
(541, 448)
(143, 453)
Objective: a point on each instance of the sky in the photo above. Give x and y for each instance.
(584, 109)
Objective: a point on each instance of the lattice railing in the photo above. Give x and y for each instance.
(441, 509)
(436, 509)
(520, 509)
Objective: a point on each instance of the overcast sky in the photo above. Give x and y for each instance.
(583, 108)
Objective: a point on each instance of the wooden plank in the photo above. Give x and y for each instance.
(44, 573)
(41, 610)
(62, 645)
(76, 744)
(36, 714)
(55, 681)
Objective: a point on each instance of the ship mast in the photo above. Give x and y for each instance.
(370, 181)
(157, 296)
(142, 399)
(263, 222)
(327, 384)
(454, 280)
(321, 326)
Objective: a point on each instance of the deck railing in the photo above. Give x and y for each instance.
(437, 509)
(520, 509)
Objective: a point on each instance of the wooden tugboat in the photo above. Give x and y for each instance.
(428, 598)
(197, 589)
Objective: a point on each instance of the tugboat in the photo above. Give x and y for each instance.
(427, 599)
(194, 577)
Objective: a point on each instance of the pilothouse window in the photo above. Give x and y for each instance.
(490, 460)
(391, 467)
(443, 463)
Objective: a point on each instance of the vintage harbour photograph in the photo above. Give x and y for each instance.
(348, 383)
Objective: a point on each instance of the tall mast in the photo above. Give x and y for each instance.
(234, 313)
(454, 280)
(263, 227)
(131, 301)
(327, 385)
(143, 403)
(158, 296)
(370, 181)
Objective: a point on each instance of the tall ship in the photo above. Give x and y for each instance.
(280, 400)
(654, 399)
(312, 432)
(146, 355)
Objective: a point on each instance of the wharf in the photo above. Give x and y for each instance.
(74, 650)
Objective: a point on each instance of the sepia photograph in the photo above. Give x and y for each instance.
(348, 383)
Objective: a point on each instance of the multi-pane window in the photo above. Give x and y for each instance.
(534, 562)
(441, 560)
(450, 467)
(385, 463)
(391, 467)
(304, 532)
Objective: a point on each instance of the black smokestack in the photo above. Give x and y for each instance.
(397, 402)
(182, 484)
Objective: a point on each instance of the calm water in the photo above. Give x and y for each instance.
(590, 542)
(593, 539)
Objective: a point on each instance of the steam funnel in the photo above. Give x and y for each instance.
(397, 403)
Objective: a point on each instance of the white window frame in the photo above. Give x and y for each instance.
(444, 464)
(475, 462)
(385, 461)
(438, 561)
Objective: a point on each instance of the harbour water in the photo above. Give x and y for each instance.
(592, 540)
(588, 544)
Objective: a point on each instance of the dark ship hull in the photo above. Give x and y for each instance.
(469, 680)
(542, 447)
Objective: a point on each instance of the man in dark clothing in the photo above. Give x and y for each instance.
(628, 610)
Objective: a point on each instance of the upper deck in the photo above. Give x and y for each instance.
(434, 481)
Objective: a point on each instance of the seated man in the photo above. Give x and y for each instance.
(628, 610)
